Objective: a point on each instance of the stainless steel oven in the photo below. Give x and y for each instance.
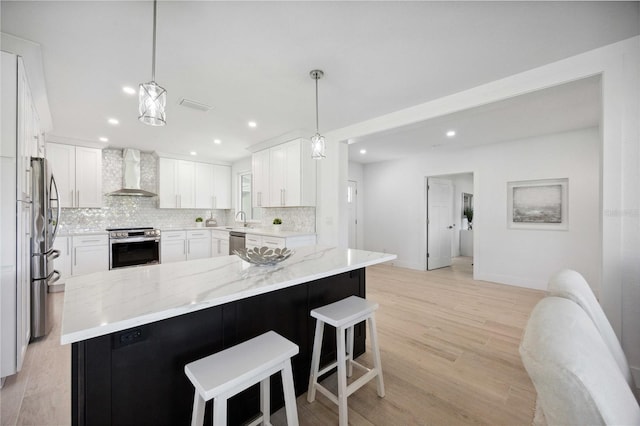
(133, 247)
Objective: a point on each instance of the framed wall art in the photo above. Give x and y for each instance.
(538, 204)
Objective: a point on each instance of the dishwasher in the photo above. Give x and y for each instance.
(236, 241)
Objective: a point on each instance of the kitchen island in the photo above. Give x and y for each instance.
(132, 330)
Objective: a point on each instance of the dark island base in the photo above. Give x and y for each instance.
(136, 376)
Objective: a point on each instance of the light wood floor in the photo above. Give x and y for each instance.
(449, 348)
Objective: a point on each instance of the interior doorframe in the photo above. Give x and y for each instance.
(425, 239)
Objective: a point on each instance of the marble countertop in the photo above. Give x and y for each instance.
(106, 302)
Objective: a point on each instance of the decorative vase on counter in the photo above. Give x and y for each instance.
(277, 223)
(199, 222)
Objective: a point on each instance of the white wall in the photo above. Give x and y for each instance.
(395, 209)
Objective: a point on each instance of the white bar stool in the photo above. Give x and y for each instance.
(224, 374)
(343, 315)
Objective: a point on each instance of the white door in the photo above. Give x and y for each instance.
(439, 222)
(352, 206)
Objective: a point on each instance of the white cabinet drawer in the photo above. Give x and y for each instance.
(253, 241)
(221, 235)
(174, 235)
(273, 242)
(191, 235)
(90, 240)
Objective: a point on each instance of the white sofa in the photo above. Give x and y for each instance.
(575, 375)
(572, 285)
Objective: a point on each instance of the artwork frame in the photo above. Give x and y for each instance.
(538, 204)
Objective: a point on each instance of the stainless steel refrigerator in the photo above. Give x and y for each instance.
(45, 222)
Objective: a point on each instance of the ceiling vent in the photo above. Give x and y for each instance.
(194, 105)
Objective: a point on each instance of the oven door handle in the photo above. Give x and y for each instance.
(134, 240)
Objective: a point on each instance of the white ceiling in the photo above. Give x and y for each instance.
(251, 61)
(571, 106)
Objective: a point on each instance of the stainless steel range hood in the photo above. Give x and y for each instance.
(131, 176)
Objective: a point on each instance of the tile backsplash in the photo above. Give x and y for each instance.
(125, 211)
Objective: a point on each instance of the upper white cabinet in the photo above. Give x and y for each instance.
(78, 173)
(213, 186)
(176, 180)
(287, 173)
(188, 184)
(260, 176)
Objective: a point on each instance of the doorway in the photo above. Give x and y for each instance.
(449, 221)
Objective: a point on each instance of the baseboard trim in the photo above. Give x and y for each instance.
(511, 280)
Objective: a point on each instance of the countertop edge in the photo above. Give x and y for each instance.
(77, 336)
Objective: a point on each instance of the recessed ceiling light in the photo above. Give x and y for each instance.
(193, 153)
(451, 133)
(252, 124)
(217, 141)
(129, 90)
(113, 121)
(103, 139)
(363, 151)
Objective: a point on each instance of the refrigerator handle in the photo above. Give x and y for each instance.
(57, 200)
(54, 277)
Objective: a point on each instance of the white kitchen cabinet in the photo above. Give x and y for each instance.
(219, 243)
(78, 173)
(253, 240)
(204, 197)
(176, 183)
(17, 112)
(260, 177)
(90, 254)
(287, 173)
(63, 263)
(173, 246)
(198, 244)
(221, 187)
(213, 186)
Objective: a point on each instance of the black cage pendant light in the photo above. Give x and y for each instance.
(152, 99)
(317, 141)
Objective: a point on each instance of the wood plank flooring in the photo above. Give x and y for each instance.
(449, 348)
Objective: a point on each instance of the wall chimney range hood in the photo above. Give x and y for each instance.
(131, 176)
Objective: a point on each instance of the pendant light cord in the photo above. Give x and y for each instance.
(317, 125)
(153, 55)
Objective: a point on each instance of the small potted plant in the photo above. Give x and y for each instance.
(277, 223)
(199, 222)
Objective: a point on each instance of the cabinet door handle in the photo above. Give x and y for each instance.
(73, 198)
(188, 247)
(75, 257)
(78, 198)
(213, 202)
(68, 248)
(259, 199)
(90, 241)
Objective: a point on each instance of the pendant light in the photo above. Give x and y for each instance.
(152, 98)
(317, 141)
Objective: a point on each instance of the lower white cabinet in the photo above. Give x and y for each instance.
(173, 246)
(198, 244)
(219, 243)
(90, 254)
(252, 241)
(63, 263)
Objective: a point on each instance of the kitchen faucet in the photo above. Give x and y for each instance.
(243, 216)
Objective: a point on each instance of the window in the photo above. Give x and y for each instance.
(245, 197)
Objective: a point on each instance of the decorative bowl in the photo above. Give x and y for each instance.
(263, 256)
